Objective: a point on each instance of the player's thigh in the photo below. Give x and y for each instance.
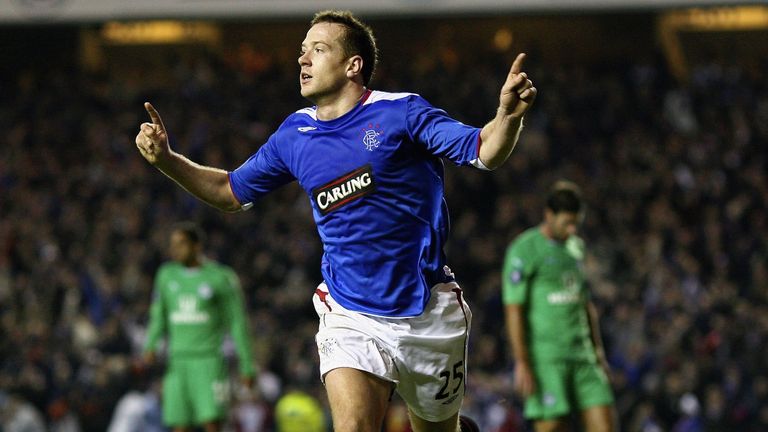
(358, 399)
(431, 356)
(601, 418)
(551, 399)
(176, 409)
(418, 424)
(209, 388)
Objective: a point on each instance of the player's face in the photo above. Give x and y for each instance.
(563, 224)
(181, 248)
(323, 62)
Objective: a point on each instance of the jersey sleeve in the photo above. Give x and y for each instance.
(235, 311)
(440, 134)
(157, 314)
(517, 273)
(263, 172)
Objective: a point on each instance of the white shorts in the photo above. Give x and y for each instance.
(424, 356)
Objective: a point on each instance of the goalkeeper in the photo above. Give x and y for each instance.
(196, 302)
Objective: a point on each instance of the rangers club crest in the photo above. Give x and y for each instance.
(371, 135)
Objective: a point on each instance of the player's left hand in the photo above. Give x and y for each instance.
(517, 93)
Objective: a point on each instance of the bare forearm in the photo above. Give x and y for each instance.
(499, 138)
(594, 327)
(516, 333)
(210, 185)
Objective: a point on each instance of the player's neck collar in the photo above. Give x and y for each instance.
(364, 96)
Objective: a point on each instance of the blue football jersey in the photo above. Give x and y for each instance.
(374, 177)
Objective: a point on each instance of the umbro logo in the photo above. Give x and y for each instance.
(306, 128)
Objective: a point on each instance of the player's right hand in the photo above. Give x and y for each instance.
(517, 93)
(524, 382)
(152, 139)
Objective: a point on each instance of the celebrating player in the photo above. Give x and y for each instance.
(392, 317)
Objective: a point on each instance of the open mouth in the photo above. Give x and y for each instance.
(305, 78)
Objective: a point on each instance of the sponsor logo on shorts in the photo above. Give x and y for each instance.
(345, 189)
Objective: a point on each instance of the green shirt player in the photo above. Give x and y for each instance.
(196, 303)
(560, 365)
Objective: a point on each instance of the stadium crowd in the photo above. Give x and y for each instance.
(677, 228)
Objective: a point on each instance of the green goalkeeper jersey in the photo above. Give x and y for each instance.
(546, 277)
(196, 308)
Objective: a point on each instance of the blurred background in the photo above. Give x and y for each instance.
(658, 110)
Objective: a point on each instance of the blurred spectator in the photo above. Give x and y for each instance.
(62, 418)
(138, 410)
(18, 415)
(690, 420)
(250, 414)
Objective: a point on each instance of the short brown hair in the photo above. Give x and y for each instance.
(191, 231)
(357, 40)
(565, 196)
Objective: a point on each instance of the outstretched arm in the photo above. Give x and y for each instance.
(210, 185)
(500, 135)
